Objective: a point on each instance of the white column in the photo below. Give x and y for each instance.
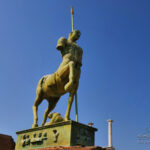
(110, 133)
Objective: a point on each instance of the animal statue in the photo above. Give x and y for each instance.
(55, 118)
(64, 80)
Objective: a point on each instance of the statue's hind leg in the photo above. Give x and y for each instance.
(37, 102)
(51, 105)
(70, 101)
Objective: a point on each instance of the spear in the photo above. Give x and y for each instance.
(72, 13)
(76, 102)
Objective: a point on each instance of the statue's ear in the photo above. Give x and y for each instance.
(59, 47)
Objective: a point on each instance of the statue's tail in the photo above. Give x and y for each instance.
(42, 81)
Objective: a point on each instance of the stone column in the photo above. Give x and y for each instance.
(110, 133)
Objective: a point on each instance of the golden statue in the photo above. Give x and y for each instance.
(65, 79)
(51, 87)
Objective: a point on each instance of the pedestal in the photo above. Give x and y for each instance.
(68, 133)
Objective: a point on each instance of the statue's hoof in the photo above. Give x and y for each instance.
(34, 125)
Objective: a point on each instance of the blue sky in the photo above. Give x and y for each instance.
(115, 80)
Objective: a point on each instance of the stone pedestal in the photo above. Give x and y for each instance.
(68, 133)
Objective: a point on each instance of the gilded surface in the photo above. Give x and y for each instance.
(65, 79)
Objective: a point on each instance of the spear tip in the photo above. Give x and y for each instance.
(72, 12)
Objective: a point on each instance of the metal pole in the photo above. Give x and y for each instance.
(76, 101)
(72, 13)
(76, 107)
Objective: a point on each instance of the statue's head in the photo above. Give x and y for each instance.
(50, 115)
(74, 35)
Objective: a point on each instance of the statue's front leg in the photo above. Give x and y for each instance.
(37, 102)
(70, 101)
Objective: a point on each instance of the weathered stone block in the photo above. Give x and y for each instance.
(6, 142)
(68, 133)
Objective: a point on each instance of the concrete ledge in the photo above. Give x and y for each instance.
(71, 148)
(56, 125)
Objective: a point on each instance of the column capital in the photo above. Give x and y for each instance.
(109, 120)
